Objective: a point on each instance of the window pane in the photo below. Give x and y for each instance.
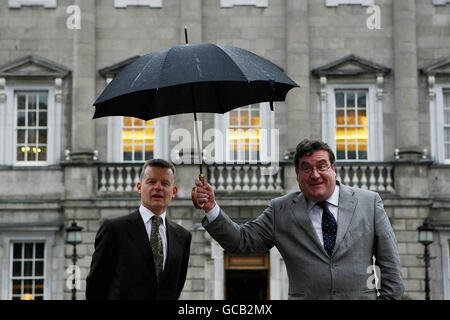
(42, 153)
(256, 120)
(340, 100)
(30, 155)
(350, 99)
(31, 119)
(32, 136)
(244, 119)
(17, 287)
(351, 117)
(447, 151)
(39, 286)
(28, 268)
(20, 153)
(362, 118)
(340, 117)
(17, 250)
(28, 286)
(39, 268)
(39, 250)
(42, 119)
(28, 250)
(21, 102)
(42, 102)
(17, 269)
(361, 100)
(20, 136)
(42, 137)
(20, 119)
(31, 102)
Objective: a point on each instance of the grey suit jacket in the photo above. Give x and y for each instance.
(363, 231)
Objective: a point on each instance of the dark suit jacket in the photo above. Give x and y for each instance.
(122, 265)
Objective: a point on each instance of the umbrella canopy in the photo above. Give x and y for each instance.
(192, 78)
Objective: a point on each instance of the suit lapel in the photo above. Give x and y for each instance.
(299, 209)
(347, 206)
(139, 236)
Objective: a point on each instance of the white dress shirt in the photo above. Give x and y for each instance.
(146, 216)
(315, 212)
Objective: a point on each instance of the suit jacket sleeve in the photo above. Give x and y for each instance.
(185, 262)
(102, 265)
(252, 237)
(387, 256)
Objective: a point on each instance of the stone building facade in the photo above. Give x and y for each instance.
(375, 84)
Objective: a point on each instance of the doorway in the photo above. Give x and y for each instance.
(247, 277)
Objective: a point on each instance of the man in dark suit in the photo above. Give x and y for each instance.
(144, 255)
(328, 233)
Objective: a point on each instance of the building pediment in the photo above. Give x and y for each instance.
(351, 65)
(440, 67)
(112, 70)
(33, 66)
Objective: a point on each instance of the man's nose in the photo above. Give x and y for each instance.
(315, 173)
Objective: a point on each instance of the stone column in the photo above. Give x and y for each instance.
(84, 70)
(297, 61)
(405, 75)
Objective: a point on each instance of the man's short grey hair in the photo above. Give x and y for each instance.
(160, 163)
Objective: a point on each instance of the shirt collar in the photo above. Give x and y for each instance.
(333, 200)
(147, 214)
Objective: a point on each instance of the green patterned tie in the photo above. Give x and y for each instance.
(156, 243)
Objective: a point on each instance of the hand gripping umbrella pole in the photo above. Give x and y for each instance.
(201, 176)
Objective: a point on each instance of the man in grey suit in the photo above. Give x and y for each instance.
(327, 234)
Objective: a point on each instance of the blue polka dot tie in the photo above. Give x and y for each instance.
(329, 228)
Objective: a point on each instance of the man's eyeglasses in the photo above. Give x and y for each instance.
(320, 168)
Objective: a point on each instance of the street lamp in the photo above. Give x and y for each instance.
(74, 237)
(426, 238)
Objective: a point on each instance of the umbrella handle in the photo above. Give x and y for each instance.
(197, 204)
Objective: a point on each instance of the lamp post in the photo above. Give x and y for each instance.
(426, 238)
(74, 237)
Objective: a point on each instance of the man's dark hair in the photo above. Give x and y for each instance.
(160, 163)
(307, 147)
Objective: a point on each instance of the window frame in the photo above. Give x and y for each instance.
(115, 141)
(8, 155)
(336, 3)
(232, 3)
(9, 238)
(138, 3)
(440, 2)
(374, 111)
(17, 4)
(437, 122)
(267, 123)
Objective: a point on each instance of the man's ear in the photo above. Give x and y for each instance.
(175, 191)
(139, 187)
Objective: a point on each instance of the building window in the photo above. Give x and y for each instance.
(352, 122)
(138, 139)
(231, 3)
(248, 135)
(351, 125)
(20, 3)
(141, 3)
(27, 270)
(244, 133)
(31, 126)
(440, 2)
(335, 3)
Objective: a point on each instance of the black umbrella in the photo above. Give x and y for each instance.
(190, 79)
